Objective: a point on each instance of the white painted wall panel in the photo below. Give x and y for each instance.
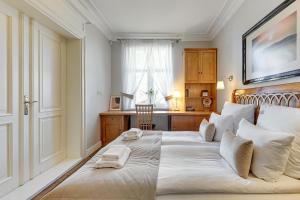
(3, 63)
(97, 83)
(4, 152)
(9, 99)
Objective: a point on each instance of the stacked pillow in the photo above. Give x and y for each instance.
(285, 119)
(207, 130)
(271, 150)
(239, 112)
(237, 152)
(275, 140)
(222, 123)
(229, 119)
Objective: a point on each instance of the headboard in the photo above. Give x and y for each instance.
(283, 95)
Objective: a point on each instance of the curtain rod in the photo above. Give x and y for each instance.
(171, 39)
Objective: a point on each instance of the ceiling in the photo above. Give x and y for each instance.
(185, 19)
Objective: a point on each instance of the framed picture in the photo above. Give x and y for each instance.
(115, 103)
(204, 93)
(271, 47)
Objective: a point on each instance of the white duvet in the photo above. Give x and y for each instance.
(182, 138)
(197, 169)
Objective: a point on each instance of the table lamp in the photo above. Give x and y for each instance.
(176, 96)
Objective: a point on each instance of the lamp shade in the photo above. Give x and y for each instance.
(176, 94)
(220, 85)
(129, 96)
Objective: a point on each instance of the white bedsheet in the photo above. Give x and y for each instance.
(199, 169)
(182, 138)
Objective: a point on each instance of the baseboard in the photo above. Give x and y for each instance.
(93, 148)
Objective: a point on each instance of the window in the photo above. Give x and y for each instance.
(147, 72)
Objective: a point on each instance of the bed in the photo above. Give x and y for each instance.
(166, 165)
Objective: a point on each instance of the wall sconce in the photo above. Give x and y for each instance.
(230, 78)
(220, 85)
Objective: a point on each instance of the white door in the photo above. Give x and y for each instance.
(8, 99)
(48, 98)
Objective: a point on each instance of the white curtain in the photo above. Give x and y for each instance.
(161, 69)
(147, 60)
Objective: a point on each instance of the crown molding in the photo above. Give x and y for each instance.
(89, 11)
(92, 14)
(229, 9)
(62, 15)
(196, 37)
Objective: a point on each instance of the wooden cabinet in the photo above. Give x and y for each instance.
(112, 126)
(200, 76)
(200, 65)
(187, 122)
(192, 66)
(208, 65)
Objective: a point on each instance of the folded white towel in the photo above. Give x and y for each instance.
(115, 152)
(132, 132)
(113, 164)
(132, 137)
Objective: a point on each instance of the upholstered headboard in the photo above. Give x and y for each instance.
(283, 95)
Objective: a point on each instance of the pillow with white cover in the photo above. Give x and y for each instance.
(271, 150)
(239, 112)
(237, 152)
(285, 119)
(222, 123)
(207, 130)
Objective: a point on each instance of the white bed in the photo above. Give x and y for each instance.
(199, 172)
(190, 168)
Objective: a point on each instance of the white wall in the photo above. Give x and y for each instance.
(229, 44)
(97, 83)
(116, 83)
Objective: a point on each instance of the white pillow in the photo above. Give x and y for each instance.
(237, 152)
(280, 118)
(271, 150)
(239, 112)
(222, 123)
(207, 130)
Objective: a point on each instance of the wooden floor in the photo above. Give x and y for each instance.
(63, 177)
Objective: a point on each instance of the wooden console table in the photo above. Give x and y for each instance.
(113, 123)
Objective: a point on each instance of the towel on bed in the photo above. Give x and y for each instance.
(132, 134)
(114, 153)
(119, 163)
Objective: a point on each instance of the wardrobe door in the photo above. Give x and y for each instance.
(48, 98)
(208, 66)
(191, 66)
(9, 80)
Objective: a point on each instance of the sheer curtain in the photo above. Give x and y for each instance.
(147, 64)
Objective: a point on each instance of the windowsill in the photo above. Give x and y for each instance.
(40, 182)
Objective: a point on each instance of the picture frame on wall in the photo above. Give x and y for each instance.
(271, 47)
(115, 103)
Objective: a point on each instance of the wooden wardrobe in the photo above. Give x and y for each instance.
(200, 78)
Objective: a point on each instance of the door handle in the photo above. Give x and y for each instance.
(26, 104)
(30, 102)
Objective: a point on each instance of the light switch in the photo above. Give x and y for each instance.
(99, 93)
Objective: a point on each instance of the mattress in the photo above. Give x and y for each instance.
(199, 169)
(182, 138)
